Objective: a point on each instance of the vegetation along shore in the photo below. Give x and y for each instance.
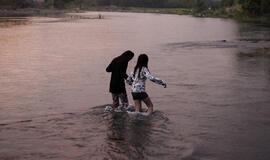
(243, 10)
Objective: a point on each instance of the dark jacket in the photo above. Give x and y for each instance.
(118, 69)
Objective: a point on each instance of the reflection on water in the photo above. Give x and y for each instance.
(52, 74)
(253, 32)
(94, 134)
(127, 139)
(141, 137)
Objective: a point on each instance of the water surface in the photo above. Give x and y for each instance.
(54, 87)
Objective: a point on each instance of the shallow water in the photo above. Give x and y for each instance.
(52, 75)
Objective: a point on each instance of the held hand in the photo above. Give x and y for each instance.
(165, 85)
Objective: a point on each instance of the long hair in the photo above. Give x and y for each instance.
(142, 62)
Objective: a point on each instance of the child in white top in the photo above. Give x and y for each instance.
(137, 79)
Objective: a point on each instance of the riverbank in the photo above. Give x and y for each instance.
(28, 12)
(56, 12)
(232, 12)
(235, 13)
(179, 11)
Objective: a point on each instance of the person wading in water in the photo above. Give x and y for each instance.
(118, 68)
(137, 79)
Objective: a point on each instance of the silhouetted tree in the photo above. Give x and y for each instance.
(227, 2)
(252, 6)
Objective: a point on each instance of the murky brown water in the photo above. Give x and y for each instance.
(52, 75)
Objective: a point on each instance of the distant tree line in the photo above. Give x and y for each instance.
(142, 3)
(256, 7)
(127, 3)
(18, 3)
(122, 3)
(251, 6)
(10, 2)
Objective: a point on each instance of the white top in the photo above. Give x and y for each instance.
(138, 82)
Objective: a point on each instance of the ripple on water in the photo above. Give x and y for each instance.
(241, 44)
(94, 134)
(141, 137)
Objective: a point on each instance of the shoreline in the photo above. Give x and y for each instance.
(27, 12)
(31, 12)
(233, 13)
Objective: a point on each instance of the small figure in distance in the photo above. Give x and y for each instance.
(137, 79)
(118, 68)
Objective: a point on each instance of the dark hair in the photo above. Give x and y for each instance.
(142, 62)
(125, 57)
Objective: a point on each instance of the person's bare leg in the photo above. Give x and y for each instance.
(138, 105)
(149, 104)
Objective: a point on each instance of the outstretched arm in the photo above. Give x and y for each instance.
(152, 78)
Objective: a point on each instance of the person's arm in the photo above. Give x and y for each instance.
(109, 68)
(124, 70)
(147, 74)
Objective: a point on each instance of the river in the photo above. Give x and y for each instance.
(54, 88)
